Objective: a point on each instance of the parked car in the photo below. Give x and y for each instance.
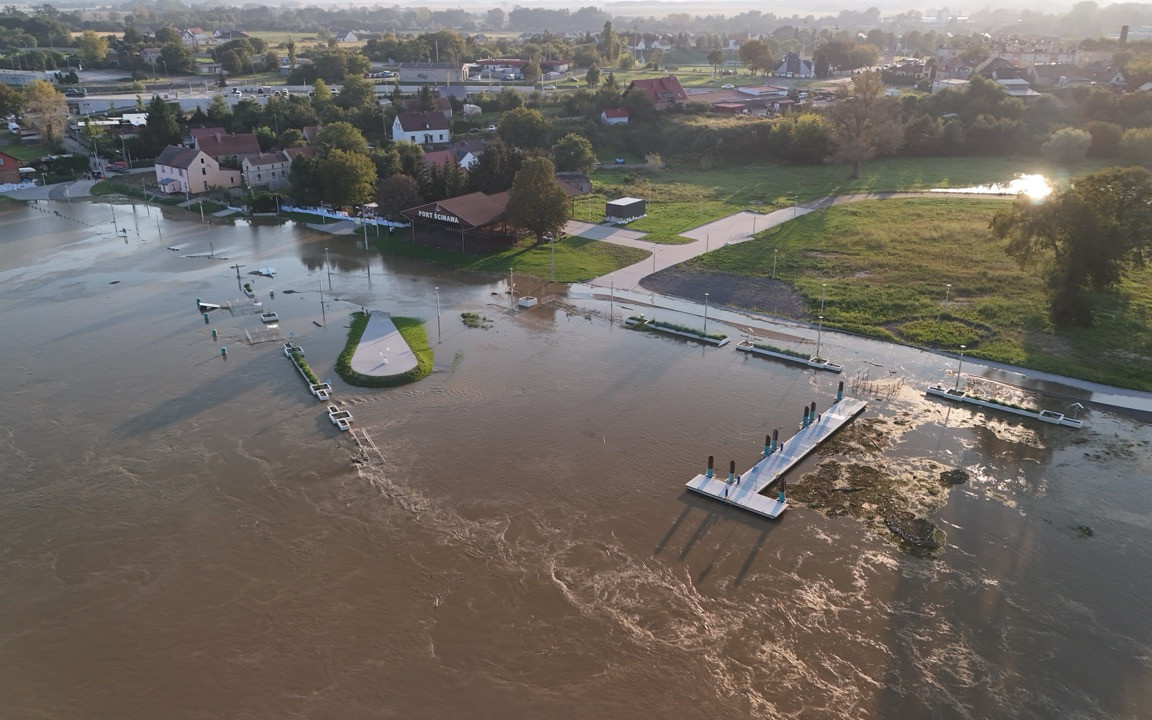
(728, 86)
(237, 92)
(118, 167)
(548, 87)
(491, 128)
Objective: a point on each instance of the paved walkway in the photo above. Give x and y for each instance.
(59, 191)
(344, 227)
(382, 350)
(735, 228)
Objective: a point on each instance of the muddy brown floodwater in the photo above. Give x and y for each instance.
(187, 536)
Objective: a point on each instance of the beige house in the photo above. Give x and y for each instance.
(268, 170)
(181, 170)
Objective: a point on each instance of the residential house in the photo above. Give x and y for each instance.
(1017, 87)
(1111, 77)
(954, 68)
(215, 143)
(150, 56)
(794, 67)
(223, 36)
(185, 170)
(1059, 75)
(345, 36)
(614, 116)
(429, 72)
(268, 170)
(953, 84)
(437, 158)
(310, 133)
(428, 129)
(9, 169)
(443, 106)
(195, 37)
(501, 68)
(211, 68)
(664, 92)
(555, 66)
(468, 151)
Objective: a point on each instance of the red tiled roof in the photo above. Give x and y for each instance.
(292, 152)
(474, 210)
(615, 112)
(219, 145)
(200, 132)
(660, 90)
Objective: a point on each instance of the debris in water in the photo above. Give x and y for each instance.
(114, 282)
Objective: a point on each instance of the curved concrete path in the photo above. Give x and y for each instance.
(59, 191)
(382, 350)
(736, 228)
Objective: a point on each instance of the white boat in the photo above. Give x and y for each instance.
(267, 271)
(205, 307)
(269, 317)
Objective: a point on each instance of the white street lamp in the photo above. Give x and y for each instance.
(774, 254)
(705, 313)
(328, 267)
(823, 287)
(819, 331)
(439, 337)
(959, 367)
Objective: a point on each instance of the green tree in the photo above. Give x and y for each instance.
(1105, 138)
(290, 138)
(348, 178)
(321, 93)
(398, 192)
(525, 128)
(357, 93)
(291, 54)
(574, 152)
(536, 203)
(1136, 145)
(756, 55)
(10, 100)
(1068, 145)
(46, 110)
(425, 100)
(593, 75)
(305, 180)
(161, 128)
(341, 136)
(864, 123)
(177, 58)
(1084, 236)
(495, 169)
(92, 47)
(715, 58)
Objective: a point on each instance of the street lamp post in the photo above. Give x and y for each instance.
(819, 331)
(328, 267)
(705, 313)
(823, 287)
(774, 254)
(439, 337)
(552, 238)
(166, 74)
(959, 367)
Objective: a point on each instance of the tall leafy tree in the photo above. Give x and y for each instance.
(495, 169)
(348, 178)
(593, 75)
(1084, 237)
(46, 110)
(536, 203)
(864, 123)
(574, 152)
(92, 47)
(341, 136)
(161, 128)
(525, 128)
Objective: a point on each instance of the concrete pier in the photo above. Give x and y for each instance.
(746, 492)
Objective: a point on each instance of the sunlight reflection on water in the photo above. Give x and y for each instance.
(1036, 187)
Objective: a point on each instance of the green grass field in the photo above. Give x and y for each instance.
(576, 258)
(886, 265)
(26, 153)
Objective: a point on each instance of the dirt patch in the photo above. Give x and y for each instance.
(765, 295)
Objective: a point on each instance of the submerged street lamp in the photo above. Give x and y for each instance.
(439, 337)
(819, 330)
(959, 367)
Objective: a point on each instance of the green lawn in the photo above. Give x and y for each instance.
(682, 198)
(886, 265)
(26, 153)
(577, 258)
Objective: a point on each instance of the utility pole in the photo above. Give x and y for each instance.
(237, 266)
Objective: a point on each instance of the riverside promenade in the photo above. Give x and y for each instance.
(382, 350)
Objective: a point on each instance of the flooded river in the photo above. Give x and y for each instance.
(187, 536)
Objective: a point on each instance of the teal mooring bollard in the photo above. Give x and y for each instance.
(223, 352)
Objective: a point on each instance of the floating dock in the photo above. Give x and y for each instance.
(961, 396)
(779, 460)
